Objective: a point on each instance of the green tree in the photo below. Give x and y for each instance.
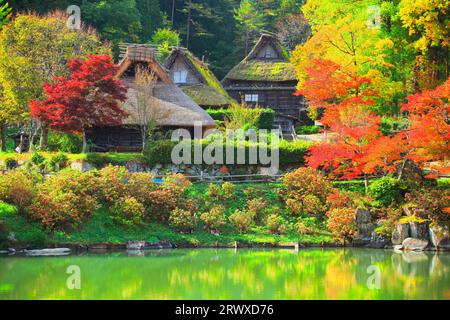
(4, 13)
(250, 20)
(116, 20)
(152, 17)
(34, 49)
(166, 39)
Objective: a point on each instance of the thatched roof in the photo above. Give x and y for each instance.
(175, 108)
(209, 90)
(256, 68)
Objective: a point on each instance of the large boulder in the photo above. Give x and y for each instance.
(364, 223)
(400, 233)
(415, 244)
(419, 230)
(440, 236)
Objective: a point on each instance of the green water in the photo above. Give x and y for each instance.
(230, 274)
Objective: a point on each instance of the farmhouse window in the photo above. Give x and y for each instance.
(180, 76)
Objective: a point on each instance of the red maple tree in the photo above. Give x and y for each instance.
(346, 99)
(88, 97)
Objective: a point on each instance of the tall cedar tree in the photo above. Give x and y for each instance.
(88, 97)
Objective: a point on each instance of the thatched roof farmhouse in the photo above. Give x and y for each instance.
(169, 105)
(265, 77)
(196, 80)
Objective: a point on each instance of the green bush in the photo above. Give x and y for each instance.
(64, 142)
(58, 162)
(276, 224)
(64, 200)
(241, 220)
(183, 220)
(385, 191)
(290, 153)
(307, 129)
(214, 219)
(11, 163)
(128, 211)
(38, 160)
(264, 121)
(392, 125)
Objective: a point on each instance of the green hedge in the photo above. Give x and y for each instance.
(291, 153)
(265, 119)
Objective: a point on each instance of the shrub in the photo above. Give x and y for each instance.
(340, 199)
(213, 191)
(11, 163)
(38, 160)
(167, 196)
(64, 142)
(307, 129)
(214, 219)
(128, 211)
(241, 220)
(263, 117)
(385, 191)
(290, 152)
(305, 190)
(429, 204)
(112, 183)
(64, 200)
(58, 162)
(307, 225)
(341, 222)
(228, 190)
(61, 211)
(276, 224)
(255, 207)
(183, 220)
(17, 187)
(139, 185)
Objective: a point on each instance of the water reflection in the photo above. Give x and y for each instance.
(230, 274)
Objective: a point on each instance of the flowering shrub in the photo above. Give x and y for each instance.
(429, 204)
(341, 222)
(64, 200)
(276, 224)
(306, 191)
(183, 220)
(241, 220)
(228, 190)
(214, 219)
(17, 187)
(112, 183)
(139, 186)
(128, 211)
(61, 211)
(340, 199)
(256, 208)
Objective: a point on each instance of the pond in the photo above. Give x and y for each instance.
(230, 274)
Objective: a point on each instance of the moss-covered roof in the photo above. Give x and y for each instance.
(210, 92)
(205, 95)
(260, 69)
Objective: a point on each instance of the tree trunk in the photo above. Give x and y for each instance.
(188, 27)
(173, 11)
(85, 146)
(366, 182)
(402, 168)
(44, 138)
(3, 136)
(144, 137)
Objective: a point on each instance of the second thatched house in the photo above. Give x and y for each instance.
(266, 78)
(196, 80)
(158, 101)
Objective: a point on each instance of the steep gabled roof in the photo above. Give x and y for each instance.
(254, 68)
(209, 92)
(179, 108)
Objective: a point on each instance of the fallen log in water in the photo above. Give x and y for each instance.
(48, 252)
